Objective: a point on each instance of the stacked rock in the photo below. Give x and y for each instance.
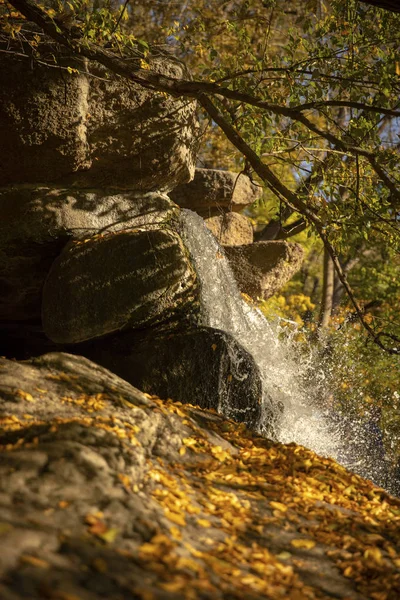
(91, 257)
(260, 268)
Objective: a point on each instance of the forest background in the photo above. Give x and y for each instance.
(303, 97)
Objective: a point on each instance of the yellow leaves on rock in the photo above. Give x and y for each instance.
(175, 532)
(175, 517)
(13, 423)
(99, 528)
(173, 499)
(227, 490)
(203, 522)
(89, 402)
(373, 554)
(125, 480)
(190, 442)
(220, 454)
(157, 548)
(24, 395)
(278, 506)
(307, 544)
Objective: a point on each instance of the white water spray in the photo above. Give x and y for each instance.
(297, 418)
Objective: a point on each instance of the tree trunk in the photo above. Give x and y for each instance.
(327, 292)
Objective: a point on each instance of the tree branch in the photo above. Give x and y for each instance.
(390, 112)
(391, 5)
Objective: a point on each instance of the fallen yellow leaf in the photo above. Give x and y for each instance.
(279, 506)
(25, 395)
(175, 517)
(374, 554)
(203, 522)
(303, 543)
(109, 535)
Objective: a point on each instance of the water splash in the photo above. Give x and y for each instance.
(296, 415)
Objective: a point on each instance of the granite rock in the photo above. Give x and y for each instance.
(262, 269)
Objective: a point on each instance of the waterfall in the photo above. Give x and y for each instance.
(286, 395)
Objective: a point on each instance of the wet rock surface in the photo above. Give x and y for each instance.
(107, 492)
(201, 366)
(262, 269)
(213, 192)
(128, 279)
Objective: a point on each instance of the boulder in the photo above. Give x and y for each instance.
(43, 118)
(108, 493)
(108, 282)
(262, 269)
(202, 366)
(231, 229)
(36, 222)
(213, 192)
(92, 128)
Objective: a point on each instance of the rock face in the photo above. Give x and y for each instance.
(231, 229)
(36, 222)
(107, 492)
(212, 192)
(127, 279)
(201, 366)
(101, 130)
(262, 268)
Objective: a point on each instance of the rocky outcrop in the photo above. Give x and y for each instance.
(127, 279)
(107, 492)
(201, 366)
(231, 229)
(36, 222)
(92, 128)
(263, 268)
(213, 191)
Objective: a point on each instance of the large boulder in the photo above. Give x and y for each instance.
(92, 128)
(231, 229)
(213, 192)
(202, 366)
(36, 222)
(128, 279)
(262, 269)
(108, 493)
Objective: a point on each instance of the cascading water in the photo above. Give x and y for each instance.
(296, 416)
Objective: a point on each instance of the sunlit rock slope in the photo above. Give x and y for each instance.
(106, 492)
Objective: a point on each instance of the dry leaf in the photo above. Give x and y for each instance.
(25, 395)
(303, 543)
(203, 523)
(279, 506)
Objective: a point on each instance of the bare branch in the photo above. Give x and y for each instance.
(390, 112)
